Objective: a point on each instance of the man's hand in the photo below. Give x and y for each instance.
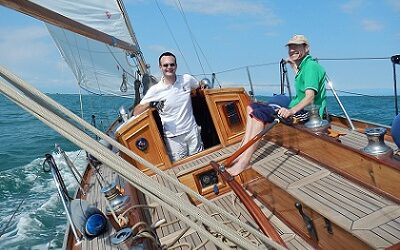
(285, 113)
(204, 83)
(159, 105)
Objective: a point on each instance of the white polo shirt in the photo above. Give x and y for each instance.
(177, 114)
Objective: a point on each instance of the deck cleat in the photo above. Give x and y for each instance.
(376, 143)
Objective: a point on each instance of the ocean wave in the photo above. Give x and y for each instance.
(40, 220)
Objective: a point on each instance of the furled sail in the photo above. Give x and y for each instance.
(98, 67)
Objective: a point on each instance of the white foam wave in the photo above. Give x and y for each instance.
(28, 224)
(50, 204)
(79, 160)
(41, 201)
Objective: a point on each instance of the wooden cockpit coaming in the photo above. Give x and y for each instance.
(221, 114)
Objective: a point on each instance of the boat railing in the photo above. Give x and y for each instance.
(75, 173)
(50, 165)
(395, 61)
(330, 85)
(248, 76)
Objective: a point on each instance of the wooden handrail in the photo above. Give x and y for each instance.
(230, 159)
(255, 212)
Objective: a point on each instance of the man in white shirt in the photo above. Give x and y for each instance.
(171, 97)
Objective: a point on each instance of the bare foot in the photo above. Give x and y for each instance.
(237, 168)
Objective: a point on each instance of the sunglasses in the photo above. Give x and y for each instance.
(168, 64)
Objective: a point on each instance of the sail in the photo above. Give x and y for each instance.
(98, 67)
(102, 15)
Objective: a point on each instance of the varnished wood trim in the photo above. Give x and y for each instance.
(378, 175)
(258, 216)
(282, 205)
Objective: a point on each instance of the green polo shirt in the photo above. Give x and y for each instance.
(311, 75)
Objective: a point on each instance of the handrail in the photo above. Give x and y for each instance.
(50, 165)
(249, 203)
(251, 206)
(329, 82)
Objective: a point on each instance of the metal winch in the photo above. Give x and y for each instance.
(376, 143)
(315, 123)
(116, 199)
(125, 239)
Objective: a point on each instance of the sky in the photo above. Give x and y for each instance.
(225, 36)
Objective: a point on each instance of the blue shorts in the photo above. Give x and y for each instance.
(266, 111)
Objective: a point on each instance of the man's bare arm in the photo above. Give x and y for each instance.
(140, 108)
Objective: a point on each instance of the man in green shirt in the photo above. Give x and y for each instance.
(309, 80)
(310, 89)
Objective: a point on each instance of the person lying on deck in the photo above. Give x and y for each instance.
(171, 97)
(310, 89)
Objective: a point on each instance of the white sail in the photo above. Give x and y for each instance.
(99, 68)
(103, 15)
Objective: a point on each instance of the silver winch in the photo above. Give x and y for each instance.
(125, 240)
(315, 123)
(122, 238)
(116, 199)
(376, 143)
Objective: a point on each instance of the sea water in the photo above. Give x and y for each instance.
(31, 214)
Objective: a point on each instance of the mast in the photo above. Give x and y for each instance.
(143, 67)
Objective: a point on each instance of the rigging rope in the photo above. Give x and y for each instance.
(354, 93)
(179, 5)
(173, 37)
(247, 66)
(143, 183)
(352, 59)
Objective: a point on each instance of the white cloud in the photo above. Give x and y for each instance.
(157, 48)
(21, 45)
(395, 4)
(351, 6)
(256, 10)
(372, 25)
(30, 53)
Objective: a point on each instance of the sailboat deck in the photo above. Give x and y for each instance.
(355, 139)
(370, 217)
(95, 197)
(230, 204)
(173, 227)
